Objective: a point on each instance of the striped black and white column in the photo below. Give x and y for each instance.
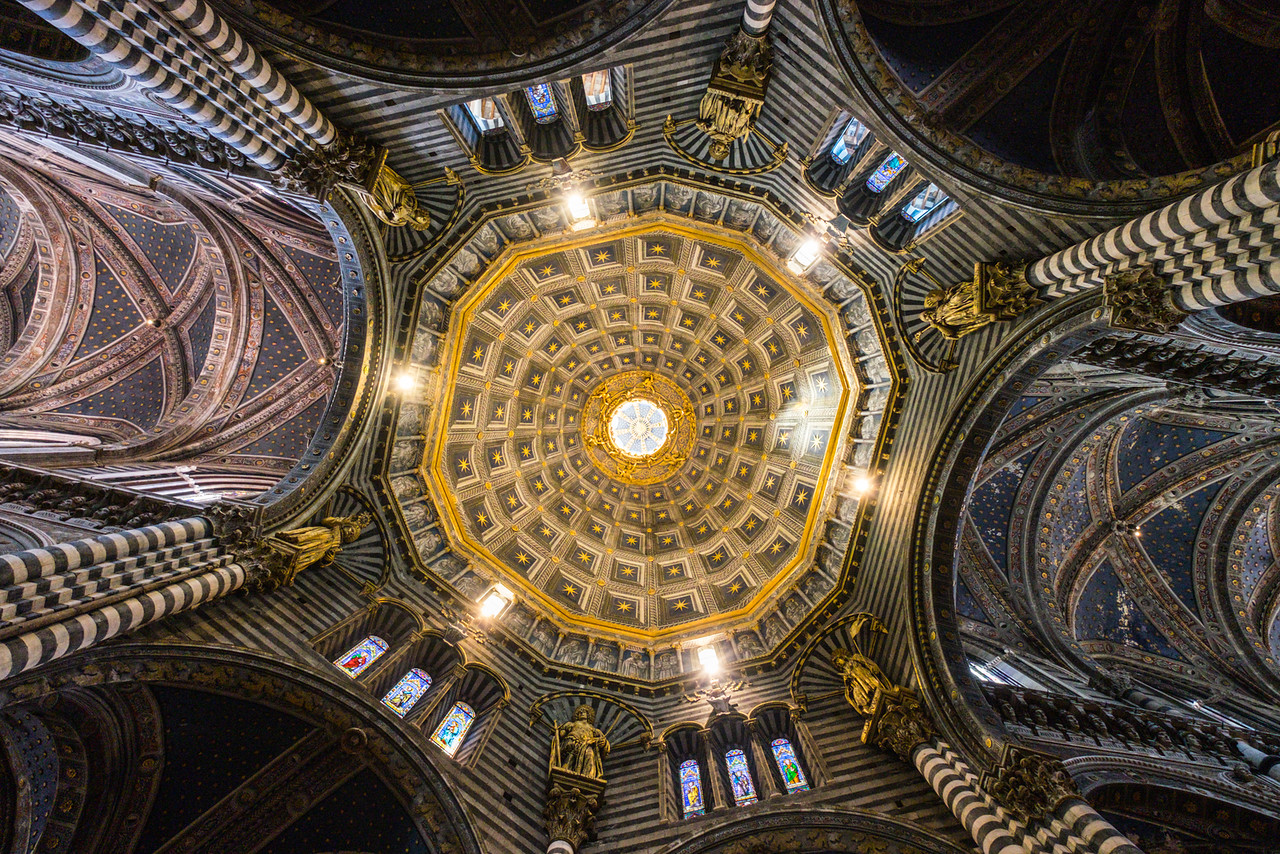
(64, 598)
(756, 18)
(965, 800)
(559, 846)
(207, 73)
(1213, 248)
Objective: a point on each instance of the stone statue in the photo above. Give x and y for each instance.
(736, 92)
(997, 292)
(578, 746)
(315, 545)
(393, 201)
(862, 678)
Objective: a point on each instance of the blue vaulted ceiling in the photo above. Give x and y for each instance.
(1146, 446)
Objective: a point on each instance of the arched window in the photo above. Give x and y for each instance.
(886, 172)
(691, 788)
(744, 790)
(542, 104)
(598, 90)
(854, 133)
(926, 200)
(789, 766)
(360, 656)
(453, 729)
(484, 112)
(407, 691)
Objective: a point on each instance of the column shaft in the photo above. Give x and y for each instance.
(756, 17)
(965, 801)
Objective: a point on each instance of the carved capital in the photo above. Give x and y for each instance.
(346, 160)
(1028, 784)
(898, 723)
(235, 522)
(736, 91)
(572, 801)
(1140, 300)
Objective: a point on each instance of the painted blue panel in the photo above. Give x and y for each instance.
(113, 314)
(1108, 611)
(992, 505)
(10, 219)
(201, 333)
(968, 606)
(1147, 446)
(138, 398)
(1169, 538)
(325, 279)
(1071, 516)
(169, 247)
(281, 351)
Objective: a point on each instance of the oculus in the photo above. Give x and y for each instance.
(639, 427)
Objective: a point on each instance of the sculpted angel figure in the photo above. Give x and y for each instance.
(578, 746)
(393, 201)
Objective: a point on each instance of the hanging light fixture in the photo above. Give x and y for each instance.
(804, 256)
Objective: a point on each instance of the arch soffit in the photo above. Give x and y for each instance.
(319, 699)
(946, 153)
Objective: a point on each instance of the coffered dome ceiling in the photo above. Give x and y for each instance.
(638, 425)
(648, 430)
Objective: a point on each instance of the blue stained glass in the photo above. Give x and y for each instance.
(453, 729)
(926, 200)
(407, 691)
(541, 103)
(744, 791)
(691, 788)
(852, 135)
(886, 172)
(792, 773)
(358, 659)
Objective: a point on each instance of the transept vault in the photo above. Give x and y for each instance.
(639, 426)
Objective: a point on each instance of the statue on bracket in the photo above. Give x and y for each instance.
(315, 545)
(578, 746)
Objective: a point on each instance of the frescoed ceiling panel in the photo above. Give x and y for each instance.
(1147, 445)
(200, 334)
(1107, 611)
(280, 354)
(322, 274)
(10, 220)
(1170, 537)
(169, 246)
(992, 508)
(114, 312)
(138, 399)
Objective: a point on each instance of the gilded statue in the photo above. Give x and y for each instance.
(578, 746)
(736, 92)
(893, 718)
(315, 545)
(393, 201)
(725, 118)
(996, 292)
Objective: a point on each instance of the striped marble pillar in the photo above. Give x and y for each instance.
(71, 596)
(1218, 246)
(756, 17)
(207, 73)
(965, 800)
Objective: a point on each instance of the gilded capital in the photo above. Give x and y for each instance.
(997, 292)
(1028, 784)
(1140, 300)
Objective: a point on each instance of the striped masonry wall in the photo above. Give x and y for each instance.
(145, 45)
(70, 596)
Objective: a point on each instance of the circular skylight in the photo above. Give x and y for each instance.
(638, 427)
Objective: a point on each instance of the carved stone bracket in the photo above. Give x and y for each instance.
(572, 802)
(235, 521)
(736, 91)
(897, 723)
(347, 160)
(1140, 300)
(1028, 784)
(1192, 366)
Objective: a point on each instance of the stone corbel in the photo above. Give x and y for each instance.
(1028, 784)
(572, 802)
(1141, 301)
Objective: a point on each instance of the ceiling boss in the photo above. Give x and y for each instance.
(639, 427)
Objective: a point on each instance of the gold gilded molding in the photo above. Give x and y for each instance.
(613, 392)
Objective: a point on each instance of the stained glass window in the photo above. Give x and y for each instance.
(792, 773)
(691, 788)
(541, 103)
(926, 200)
(599, 90)
(407, 691)
(484, 112)
(453, 729)
(850, 138)
(886, 172)
(744, 791)
(358, 659)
